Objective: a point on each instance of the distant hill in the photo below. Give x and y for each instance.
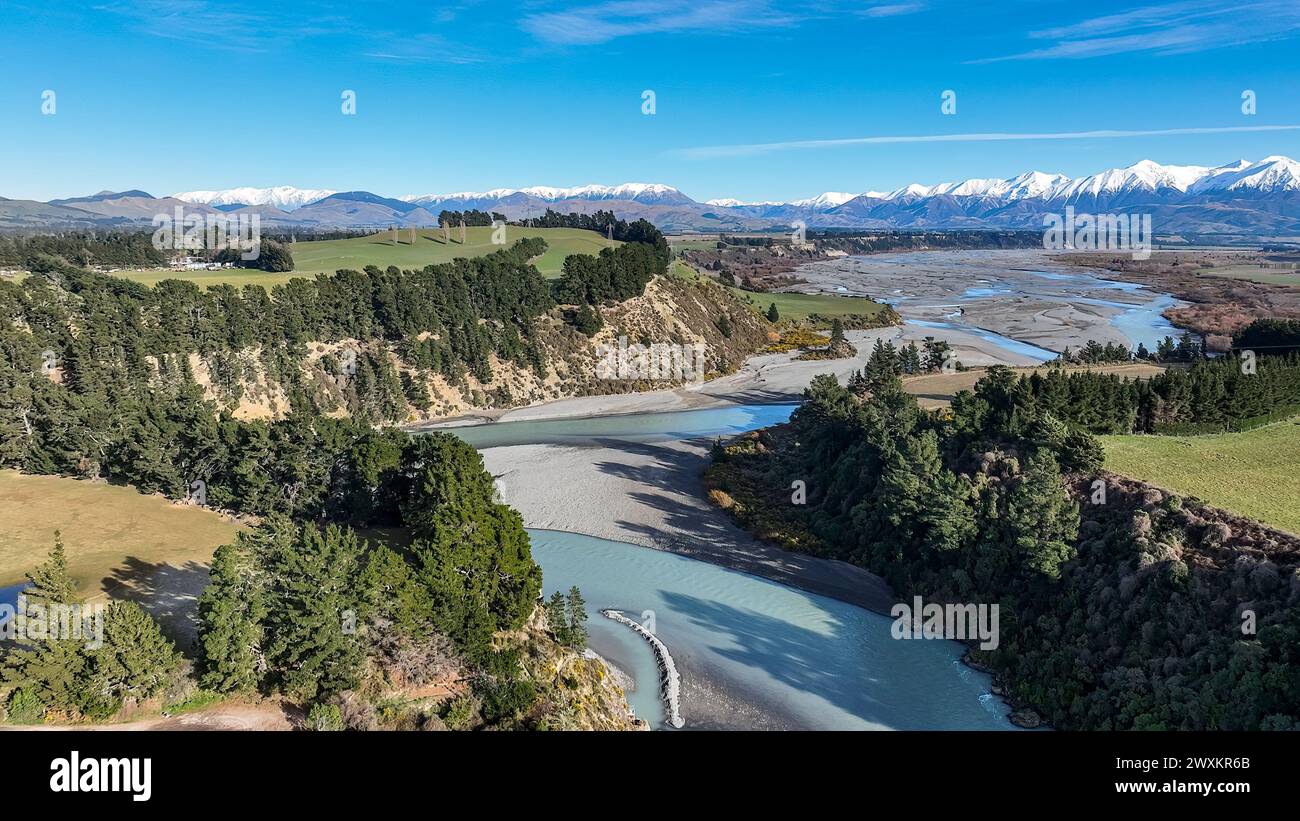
(103, 196)
(1258, 199)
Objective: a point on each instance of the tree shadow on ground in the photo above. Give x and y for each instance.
(168, 592)
(829, 665)
(669, 481)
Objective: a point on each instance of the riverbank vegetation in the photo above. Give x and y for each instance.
(1218, 306)
(436, 629)
(79, 671)
(381, 345)
(99, 380)
(1210, 396)
(1123, 610)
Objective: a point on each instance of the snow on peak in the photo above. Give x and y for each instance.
(625, 191)
(822, 202)
(1168, 176)
(284, 197)
(973, 188)
(913, 190)
(828, 199)
(1274, 173)
(1034, 185)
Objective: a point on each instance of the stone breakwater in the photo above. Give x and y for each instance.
(669, 680)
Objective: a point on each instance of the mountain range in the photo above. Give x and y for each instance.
(1241, 198)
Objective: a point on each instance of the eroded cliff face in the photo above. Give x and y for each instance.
(671, 311)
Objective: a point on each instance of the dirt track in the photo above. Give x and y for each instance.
(234, 716)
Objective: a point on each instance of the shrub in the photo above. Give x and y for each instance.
(324, 718)
(721, 498)
(196, 699)
(25, 708)
(461, 713)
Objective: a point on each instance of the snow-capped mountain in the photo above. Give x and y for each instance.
(1269, 174)
(829, 199)
(1033, 185)
(1259, 198)
(648, 193)
(284, 197)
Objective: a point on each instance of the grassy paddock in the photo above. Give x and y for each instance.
(936, 390)
(1254, 273)
(330, 255)
(801, 306)
(1252, 473)
(239, 277)
(113, 535)
(429, 249)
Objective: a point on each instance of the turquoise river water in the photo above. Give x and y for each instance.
(818, 662)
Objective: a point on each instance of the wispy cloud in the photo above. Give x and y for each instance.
(1167, 28)
(423, 48)
(199, 21)
(886, 9)
(754, 149)
(602, 22)
(265, 27)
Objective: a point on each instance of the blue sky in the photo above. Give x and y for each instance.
(170, 95)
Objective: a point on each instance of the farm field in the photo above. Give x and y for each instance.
(327, 256)
(936, 390)
(330, 255)
(692, 243)
(239, 277)
(1251, 473)
(1254, 273)
(118, 541)
(800, 306)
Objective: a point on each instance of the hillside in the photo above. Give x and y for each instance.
(1252, 473)
(383, 342)
(146, 549)
(328, 256)
(313, 257)
(671, 310)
